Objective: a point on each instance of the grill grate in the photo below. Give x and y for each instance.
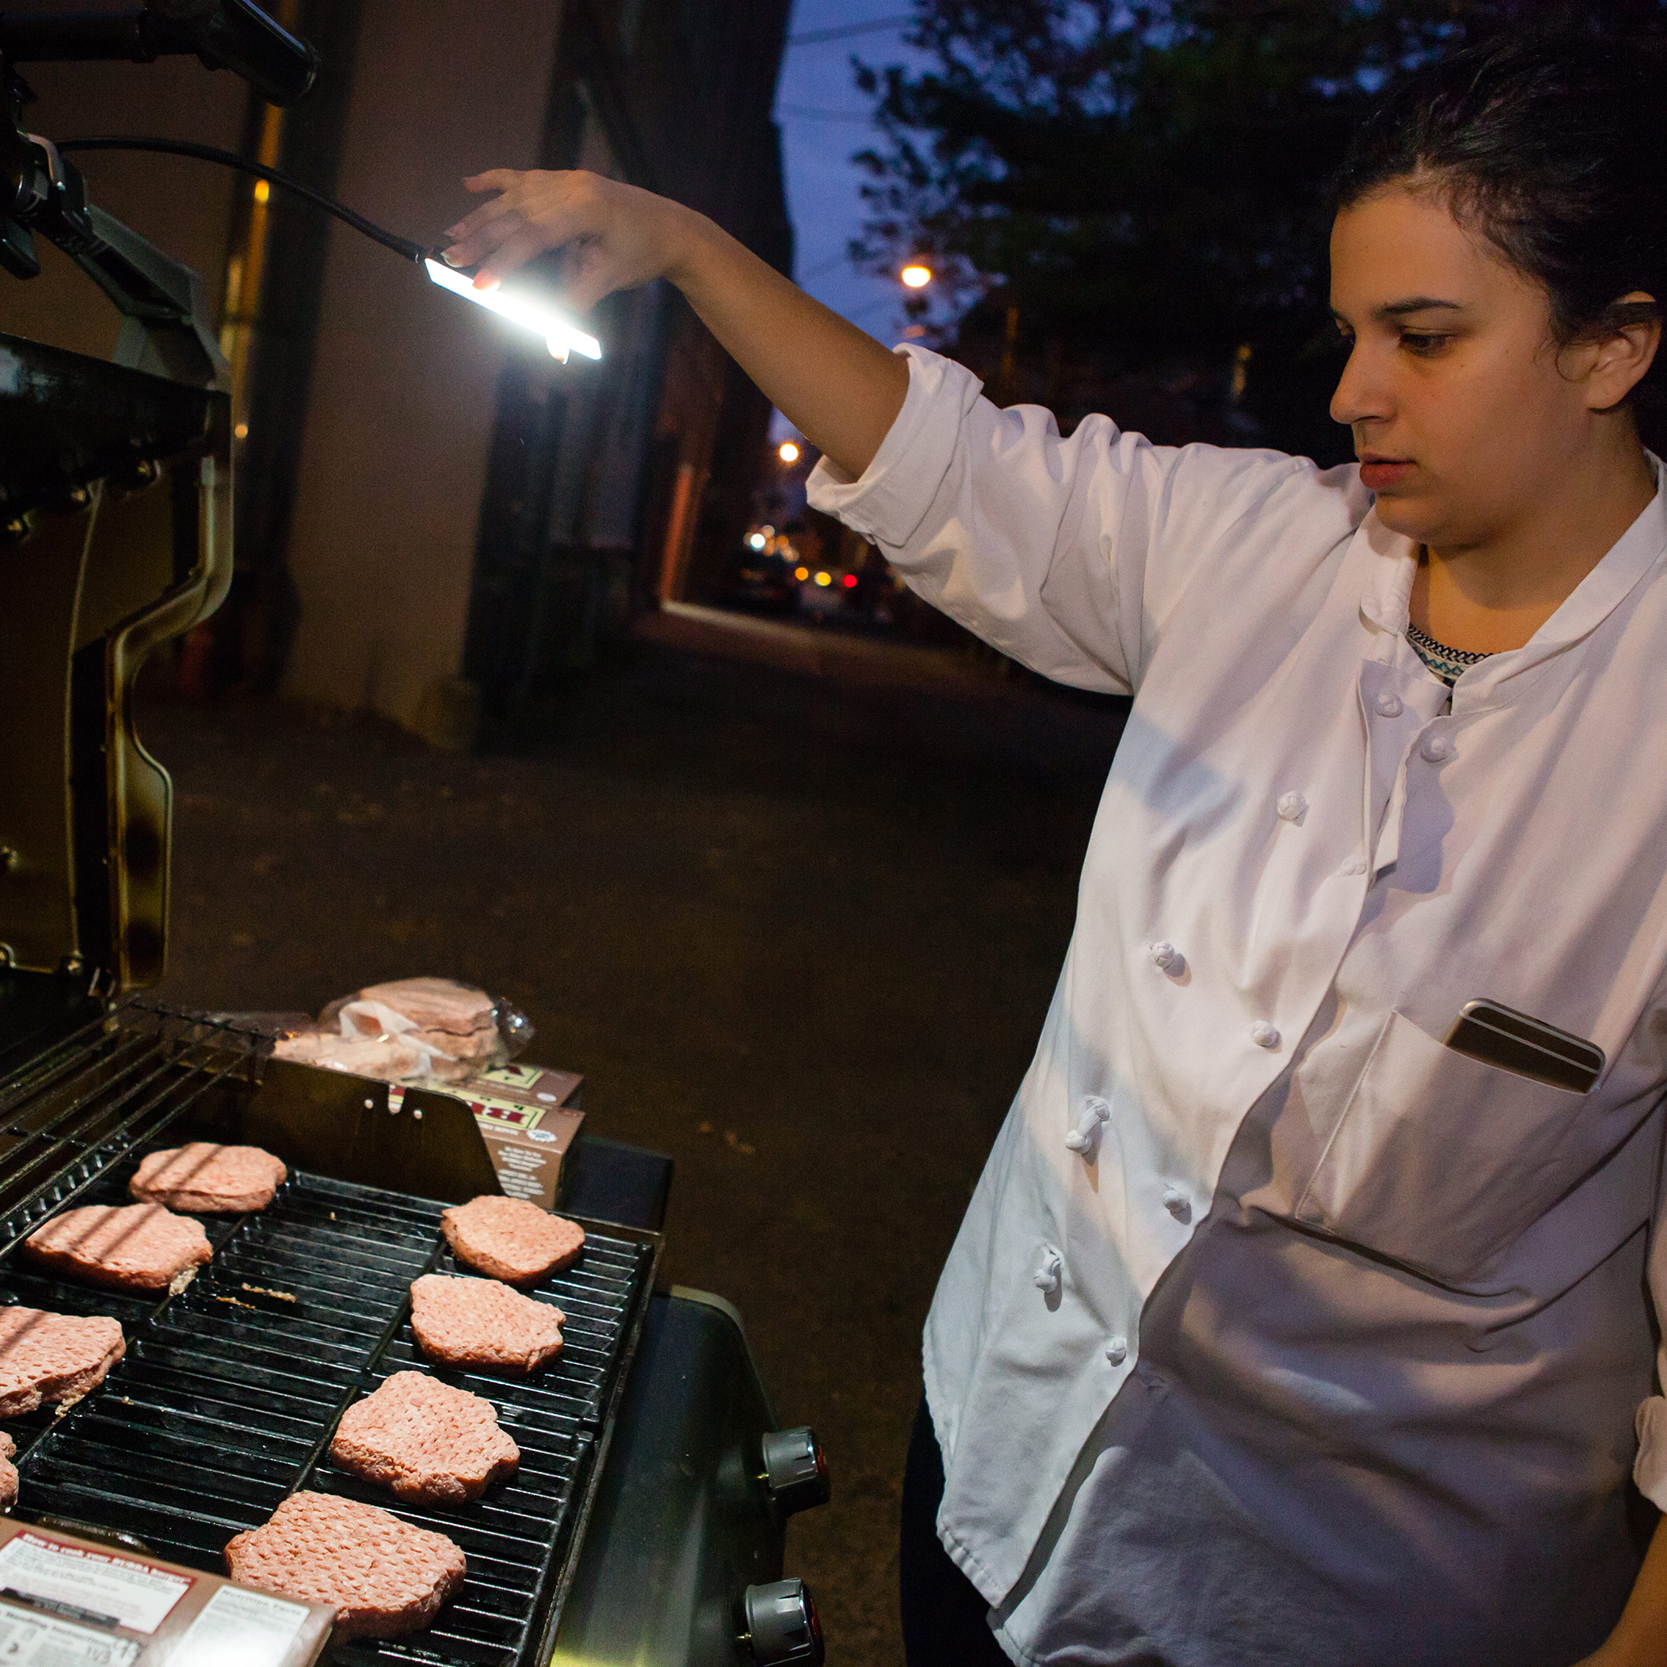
(229, 1392)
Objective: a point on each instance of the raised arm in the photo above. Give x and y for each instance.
(837, 385)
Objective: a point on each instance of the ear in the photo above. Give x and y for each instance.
(1618, 361)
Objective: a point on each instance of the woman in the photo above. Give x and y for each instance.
(1280, 1330)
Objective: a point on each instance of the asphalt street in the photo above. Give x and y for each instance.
(797, 929)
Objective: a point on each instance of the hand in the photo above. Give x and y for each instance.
(613, 236)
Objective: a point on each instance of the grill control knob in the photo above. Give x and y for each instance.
(795, 1470)
(781, 1623)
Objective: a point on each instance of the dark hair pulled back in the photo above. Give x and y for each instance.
(1553, 147)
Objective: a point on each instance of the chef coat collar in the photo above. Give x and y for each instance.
(1388, 592)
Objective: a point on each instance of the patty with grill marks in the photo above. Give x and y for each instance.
(383, 1577)
(209, 1178)
(53, 1357)
(511, 1238)
(480, 1322)
(427, 1442)
(133, 1247)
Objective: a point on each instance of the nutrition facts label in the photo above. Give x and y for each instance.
(38, 1641)
(79, 1581)
(251, 1628)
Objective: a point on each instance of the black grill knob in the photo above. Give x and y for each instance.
(795, 1470)
(781, 1623)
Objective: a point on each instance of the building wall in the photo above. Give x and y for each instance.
(607, 492)
(399, 417)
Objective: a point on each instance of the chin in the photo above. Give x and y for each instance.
(1411, 517)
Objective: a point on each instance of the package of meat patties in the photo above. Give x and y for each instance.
(412, 1030)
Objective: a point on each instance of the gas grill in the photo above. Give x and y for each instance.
(230, 1391)
(647, 1520)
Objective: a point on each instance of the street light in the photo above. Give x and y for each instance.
(788, 452)
(916, 276)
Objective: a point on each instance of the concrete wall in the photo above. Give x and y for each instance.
(400, 413)
(184, 207)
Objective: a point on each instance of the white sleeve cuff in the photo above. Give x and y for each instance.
(1649, 1469)
(891, 497)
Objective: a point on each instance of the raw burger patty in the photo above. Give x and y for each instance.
(511, 1238)
(138, 1247)
(8, 1472)
(209, 1178)
(478, 1322)
(384, 1577)
(430, 1443)
(52, 1357)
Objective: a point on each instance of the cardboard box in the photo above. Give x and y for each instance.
(526, 1116)
(65, 1601)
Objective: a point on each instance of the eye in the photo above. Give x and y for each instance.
(1423, 344)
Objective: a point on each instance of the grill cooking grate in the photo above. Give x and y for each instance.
(229, 1392)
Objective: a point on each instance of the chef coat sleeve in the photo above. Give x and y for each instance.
(1649, 1469)
(1063, 553)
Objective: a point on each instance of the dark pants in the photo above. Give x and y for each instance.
(944, 1621)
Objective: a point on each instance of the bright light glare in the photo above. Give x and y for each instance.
(758, 541)
(562, 335)
(849, 581)
(788, 452)
(916, 277)
(263, 191)
(824, 579)
(801, 572)
(768, 530)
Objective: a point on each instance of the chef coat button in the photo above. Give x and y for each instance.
(1436, 748)
(1047, 1275)
(1167, 958)
(1291, 806)
(1388, 705)
(1117, 1350)
(1353, 865)
(1178, 1204)
(1095, 1111)
(1264, 1035)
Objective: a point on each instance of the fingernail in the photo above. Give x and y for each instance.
(449, 256)
(485, 280)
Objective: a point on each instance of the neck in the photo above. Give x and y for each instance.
(1494, 594)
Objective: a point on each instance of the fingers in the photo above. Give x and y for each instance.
(513, 251)
(535, 212)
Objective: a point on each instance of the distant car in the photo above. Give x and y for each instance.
(825, 590)
(760, 575)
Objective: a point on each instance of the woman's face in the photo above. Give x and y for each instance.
(1463, 409)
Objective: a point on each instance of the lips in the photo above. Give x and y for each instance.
(1379, 474)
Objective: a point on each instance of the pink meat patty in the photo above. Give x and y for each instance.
(431, 1444)
(511, 1238)
(384, 1577)
(208, 1178)
(137, 1247)
(479, 1322)
(52, 1357)
(8, 1472)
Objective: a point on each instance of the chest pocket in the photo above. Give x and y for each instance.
(1439, 1160)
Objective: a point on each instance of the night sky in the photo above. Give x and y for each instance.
(824, 123)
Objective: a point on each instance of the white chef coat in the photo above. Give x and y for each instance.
(1407, 1329)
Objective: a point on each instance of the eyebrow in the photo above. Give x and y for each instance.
(1413, 304)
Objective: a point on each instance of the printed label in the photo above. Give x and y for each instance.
(98, 1584)
(506, 1114)
(38, 1641)
(253, 1629)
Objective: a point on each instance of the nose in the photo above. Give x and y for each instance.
(1362, 395)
